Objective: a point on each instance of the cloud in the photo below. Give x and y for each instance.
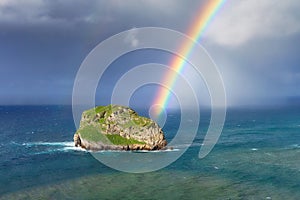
(237, 23)
(131, 38)
(72, 11)
(255, 43)
(241, 21)
(166, 6)
(45, 12)
(13, 11)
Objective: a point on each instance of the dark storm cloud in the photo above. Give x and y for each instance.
(261, 72)
(256, 45)
(42, 43)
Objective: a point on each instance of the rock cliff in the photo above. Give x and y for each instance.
(116, 127)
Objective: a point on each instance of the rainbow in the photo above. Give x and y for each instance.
(196, 30)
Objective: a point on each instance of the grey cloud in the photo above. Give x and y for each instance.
(49, 11)
(242, 21)
(254, 43)
(237, 23)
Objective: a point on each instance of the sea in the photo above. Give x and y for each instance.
(256, 157)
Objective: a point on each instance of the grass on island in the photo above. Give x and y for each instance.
(119, 140)
(106, 111)
(93, 134)
(142, 121)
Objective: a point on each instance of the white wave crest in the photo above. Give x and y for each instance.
(52, 147)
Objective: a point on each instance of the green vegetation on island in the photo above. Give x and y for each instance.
(118, 127)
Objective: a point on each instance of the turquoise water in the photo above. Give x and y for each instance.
(257, 157)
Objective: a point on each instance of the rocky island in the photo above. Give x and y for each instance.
(115, 127)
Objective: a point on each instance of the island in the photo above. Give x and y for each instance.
(115, 127)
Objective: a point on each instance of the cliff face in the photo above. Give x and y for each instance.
(118, 128)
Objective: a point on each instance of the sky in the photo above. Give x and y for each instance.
(255, 44)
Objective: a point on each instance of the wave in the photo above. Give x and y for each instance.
(38, 148)
(183, 146)
(294, 146)
(66, 144)
(50, 147)
(156, 151)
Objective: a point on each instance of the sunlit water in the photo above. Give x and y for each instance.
(257, 157)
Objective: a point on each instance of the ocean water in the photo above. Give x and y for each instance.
(257, 157)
